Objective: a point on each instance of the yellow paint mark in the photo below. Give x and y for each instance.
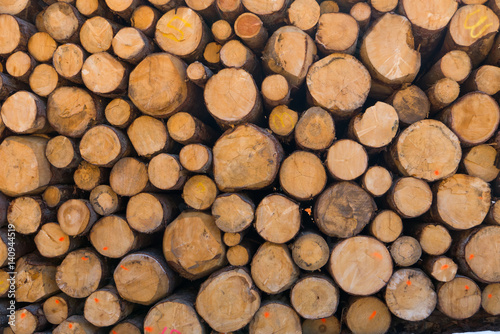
(170, 25)
(281, 119)
(473, 27)
(200, 187)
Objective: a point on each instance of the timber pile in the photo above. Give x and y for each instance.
(250, 166)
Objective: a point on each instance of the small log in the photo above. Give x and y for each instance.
(271, 14)
(166, 5)
(166, 173)
(91, 8)
(68, 61)
(22, 245)
(25, 113)
(35, 279)
(206, 8)
(97, 34)
(387, 226)
(131, 45)
(273, 269)
(145, 18)
(29, 319)
(376, 181)
(232, 239)
(304, 14)
(360, 265)
(235, 54)
(405, 251)
(337, 33)
(54, 196)
(329, 325)
(182, 32)
(20, 65)
(434, 238)
(315, 130)
(211, 55)
(277, 218)
(199, 192)
(104, 307)
(124, 9)
(410, 197)
(148, 212)
(362, 13)
(60, 307)
(302, 175)
(229, 10)
(105, 75)
(187, 129)
(411, 104)
(175, 313)
(76, 217)
(103, 145)
(493, 217)
(429, 161)
(330, 6)
(241, 254)
(460, 298)
(330, 205)
(444, 92)
(194, 258)
(368, 314)
(128, 177)
(410, 295)
(314, 296)
(62, 22)
(196, 158)
(144, 277)
(441, 268)
(257, 171)
(480, 161)
(88, 176)
(222, 31)
(15, 34)
(27, 214)
(275, 91)
(310, 251)
(274, 316)
(71, 111)
(282, 122)
(198, 73)
(494, 54)
(351, 94)
(490, 300)
(51, 241)
(485, 79)
(149, 136)
(104, 200)
(346, 160)
(25, 10)
(250, 29)
(228, 299)
(233, 212)
(8, 86)
(455, 65)
(76, 324)
(120, 113)
(451, 195)
(44, 80)
(131, 325)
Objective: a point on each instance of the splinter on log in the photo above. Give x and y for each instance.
(62, 22)
(314, 296)
(315, 129)
(368, 315)
(44, 80)
(144, 277)
(410, 197)
(377, 181)
(68, 61)
(273, 317)
(405, 251)
(360, 265)
(199, 192)
(76, 217)
(233, 212)
(24, 113)
(187, 129)
(250, 29)
(441, 268)
(410, 295)
(277, 218)
(460, 298)
(165, 172)
(60, 307)
(444, 92)
(149, 212)
(270, 255)
(386, 226)
(128, 177)
(35, 279)
(104, 307)
(51, 241)
(337, 32)
(104, 200)
(310, 251)
(196, 158)
(346, 160)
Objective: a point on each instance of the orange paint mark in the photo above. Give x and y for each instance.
(105, 248)
(57, 301)
(377, 255)
(114, 332)
(490, 295)
(266, 314)
(480, 197)
(408, 282)
(445, 266)
(323, 320)
(70, 326)
(84, 258)
(124, 268)
(372, 315)
(308, 210)
(436, 172)
(23, 315)
(96, 300)
(61, 239)
(471, 256)
(148, 329)
(466, 287)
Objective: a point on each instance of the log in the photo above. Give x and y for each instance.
(479, 161)
(387, 226)
(330, 76)
(441, 268)
(124, 9)
(120, 113)
(112, 237)
(310, 251)
(145, 18)
(199, 192)
(4, 286)
(282, 122)
(174, 314)
(314, 296)
(190, 256)
(211, 55)
(60, 307)
(241, 254)
(55, 195)
(273, 269)
(232, 98)
(429, 161)
(256, 171)
(22, 245)
(229, 10)
(149, 212)
(277, 218)
(144, 277)
(461, 201)
(44, 80)
(131, 45)
(25, 10)
(337, 33)
(315, 130)
(4, 206)
(104, 200)
(166, 173)
(206, 8)
(128, 177)
(493, 217)
(455, 65)
(235, 54)
(346, 160)
(474, 118)
(367, 314)
(360, 265)
(434, 238)
(9, 85)
(444, 92)
(15, 34)
(485, 79)
(376, 181)
(410, 197)
(232, 239)
(228, 299)
(233, 212)
(103, 146)
(97, 34)
(494, 55)
(166, 5)
(406, 251)
(196, 158)
(131, 325)
(331, 204)
(187, 129)
(459, 298)
(25, 113)
(324, 325)
(411, 104)
(105, 75)
(289, 52)
(29, 319)
(51, 241)
(104, 307)
(27, 214)
(76, 217)
(472, 29)
(42, 46)
(362, 13)
(274, 316)
(62, 22)
(304, 14)
(20, 65)
(149, 136)
(76, 324)
(330, 7)
(71, 111)
(198, 74)
(275, 91)
(35, 279)
(182, 32)
(68, 60)
(410, 295)
(222, 31)
(302, 175)
(489, 299)
(88, 176)
(91, 8)
(250, 29)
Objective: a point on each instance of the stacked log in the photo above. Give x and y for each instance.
(249, 166)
